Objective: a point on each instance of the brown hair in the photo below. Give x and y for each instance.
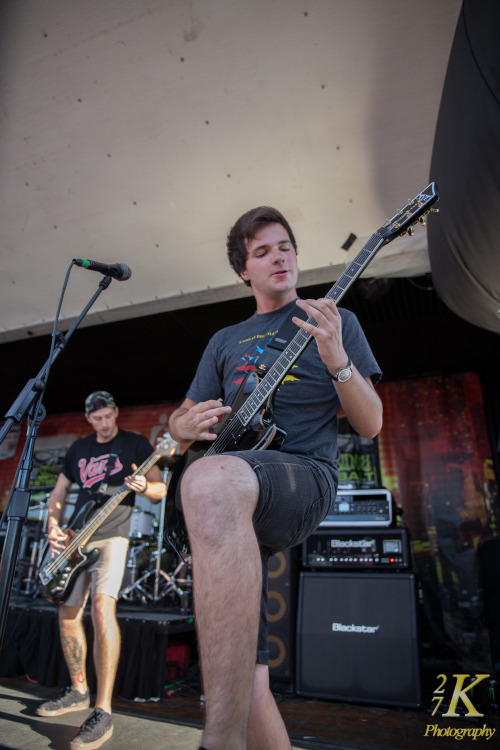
(245, 228)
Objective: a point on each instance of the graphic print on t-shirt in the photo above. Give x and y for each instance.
(94, 470)
(250, 360)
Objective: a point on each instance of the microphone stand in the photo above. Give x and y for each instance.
(28, 402)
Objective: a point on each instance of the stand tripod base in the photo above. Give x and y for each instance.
(155, 585)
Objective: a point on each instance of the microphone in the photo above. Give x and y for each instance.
(118, 271)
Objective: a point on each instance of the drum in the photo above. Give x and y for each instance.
(142, 524)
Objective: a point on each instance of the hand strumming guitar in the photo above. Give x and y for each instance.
(58, 538)
(192, 421)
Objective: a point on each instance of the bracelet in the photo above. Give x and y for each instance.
(143, 492)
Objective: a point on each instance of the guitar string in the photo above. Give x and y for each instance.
(99, 517)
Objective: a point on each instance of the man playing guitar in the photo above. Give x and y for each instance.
(106, 457)
(241, 506)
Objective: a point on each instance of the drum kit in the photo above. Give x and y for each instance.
(158, 568)
(156, 583)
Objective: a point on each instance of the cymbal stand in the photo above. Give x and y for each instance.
(157, 572)
(132, 564)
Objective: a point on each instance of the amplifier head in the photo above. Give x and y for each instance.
(357, 548)
(372, 507)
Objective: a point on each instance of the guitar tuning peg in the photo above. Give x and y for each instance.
(434, 210)
(422, 221)
(411, 231)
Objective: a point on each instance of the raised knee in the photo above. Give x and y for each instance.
(200, 480)
(215, 487)
(211, 477)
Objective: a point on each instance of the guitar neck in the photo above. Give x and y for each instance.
(401, 222)
(98, 518)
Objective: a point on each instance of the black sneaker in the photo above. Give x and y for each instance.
(94, 731)
(69, 700)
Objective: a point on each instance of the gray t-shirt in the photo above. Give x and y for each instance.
(306, 402)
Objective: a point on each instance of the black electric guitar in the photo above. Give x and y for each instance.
(58, 574)
(249, 426)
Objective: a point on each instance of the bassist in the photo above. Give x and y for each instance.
(96, 462)
(241, 506)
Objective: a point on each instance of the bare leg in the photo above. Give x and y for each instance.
(220, 495)
(74, 645)
(107, 643)
(266, 729)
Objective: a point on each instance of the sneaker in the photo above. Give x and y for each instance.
(94, 731)
(69, 700)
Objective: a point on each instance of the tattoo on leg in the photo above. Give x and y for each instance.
(73, 653)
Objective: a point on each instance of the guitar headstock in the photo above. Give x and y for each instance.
(168, 448)
(414, 211)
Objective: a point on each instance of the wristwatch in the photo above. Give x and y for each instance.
(343, 374)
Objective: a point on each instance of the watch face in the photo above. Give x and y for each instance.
(344, 374)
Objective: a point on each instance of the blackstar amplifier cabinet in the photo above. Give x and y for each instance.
(357, 549)
(358, 638)
(361, 508)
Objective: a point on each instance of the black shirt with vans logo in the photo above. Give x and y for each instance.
(93, 466)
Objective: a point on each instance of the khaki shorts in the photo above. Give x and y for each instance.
(104, 575)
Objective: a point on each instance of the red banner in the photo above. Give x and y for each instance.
(436, 461)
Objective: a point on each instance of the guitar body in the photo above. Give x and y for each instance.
(59, 585)
(261, 434)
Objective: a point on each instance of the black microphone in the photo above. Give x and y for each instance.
(118, 271)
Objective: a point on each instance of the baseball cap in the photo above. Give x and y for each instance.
(99, 400)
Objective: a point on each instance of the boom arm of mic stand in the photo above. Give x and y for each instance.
(20, 495)
(35, 386)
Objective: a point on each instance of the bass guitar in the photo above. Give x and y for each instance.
(58, 575)
(249, 426)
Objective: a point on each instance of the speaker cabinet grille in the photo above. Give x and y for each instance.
(357, 638)
(281, 617)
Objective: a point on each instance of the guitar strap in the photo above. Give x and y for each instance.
(280, 341)
(102, 490)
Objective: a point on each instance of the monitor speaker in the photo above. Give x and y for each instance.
(357, 638)
(282, 618)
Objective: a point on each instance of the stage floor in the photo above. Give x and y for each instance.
(21, 728)
(175, 723)
(134, 728)
(174, 720)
